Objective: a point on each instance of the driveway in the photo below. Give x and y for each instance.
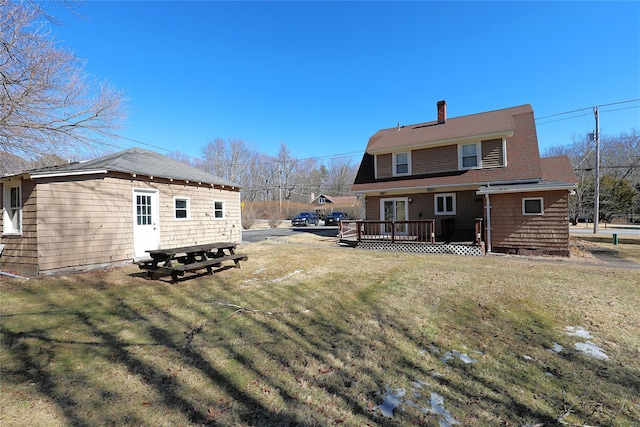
(259, 234)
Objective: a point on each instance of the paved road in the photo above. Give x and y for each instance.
(260, 234)
(628, 230)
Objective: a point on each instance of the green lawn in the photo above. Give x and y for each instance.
(309, 333)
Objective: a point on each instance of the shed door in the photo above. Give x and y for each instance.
(146, 230)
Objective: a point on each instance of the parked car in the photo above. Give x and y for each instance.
(334, 218)
(305, 218)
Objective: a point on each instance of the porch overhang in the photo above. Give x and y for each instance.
(525, 188)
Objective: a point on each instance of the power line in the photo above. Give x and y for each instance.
(589, 108)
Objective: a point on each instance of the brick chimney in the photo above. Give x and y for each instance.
(442, 112)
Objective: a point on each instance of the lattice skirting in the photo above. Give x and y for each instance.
(427, 248)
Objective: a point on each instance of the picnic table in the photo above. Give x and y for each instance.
(175, 262)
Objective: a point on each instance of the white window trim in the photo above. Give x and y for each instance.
(478, 156)
(224, 215)
(504, 152)
(394, 164)
(435, 204)
(8, 228)
(524, 199)
(175, 209)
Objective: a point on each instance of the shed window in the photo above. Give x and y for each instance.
(218, 209)
(401, 164)
(12, 210)
(445, 204)
(181, 208)
(533, 206)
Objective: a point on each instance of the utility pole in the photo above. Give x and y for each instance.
(596, 203)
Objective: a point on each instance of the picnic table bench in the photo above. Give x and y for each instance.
(175, 262)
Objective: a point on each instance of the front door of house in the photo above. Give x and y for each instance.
(146, 230)
(394, 210)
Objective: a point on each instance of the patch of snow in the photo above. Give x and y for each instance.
(419, 383)
(391, 400)
(555, 348)
(590, 349)
(462, 356)
(445, 419)
(525, 357)
(578, 332)
(280, 279)
(260, 271)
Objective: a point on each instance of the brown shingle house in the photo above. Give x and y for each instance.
(459, 170)
(111, 209)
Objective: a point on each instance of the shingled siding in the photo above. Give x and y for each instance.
(433, 160)
(83, 222)
(201, 227)
(513, 232)
(20, 252)
(88, 221)
(441, 159)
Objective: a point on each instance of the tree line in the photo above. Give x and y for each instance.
(619, 176)
(282, 177)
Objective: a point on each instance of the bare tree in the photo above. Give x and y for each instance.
(619, 165)
(47, 103)
(341, 175)
(230, 159)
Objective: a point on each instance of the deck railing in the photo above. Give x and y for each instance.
(390, 231)
(423, 231)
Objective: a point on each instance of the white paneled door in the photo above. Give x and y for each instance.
(146, 227)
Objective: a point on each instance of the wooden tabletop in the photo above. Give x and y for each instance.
(192, 249)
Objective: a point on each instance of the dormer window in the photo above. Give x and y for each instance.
(469, 156)
(401, 164)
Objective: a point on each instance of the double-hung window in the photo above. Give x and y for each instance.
(533, 206)
(401, 164)
(12, 211)
(468, 156)
(181, 205)
(218, 209)
(445, 204)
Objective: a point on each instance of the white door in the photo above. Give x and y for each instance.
(146, 230)
(395, 210)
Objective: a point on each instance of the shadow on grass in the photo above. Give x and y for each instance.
(308, 364)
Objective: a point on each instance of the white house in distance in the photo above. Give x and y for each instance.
(111, 209)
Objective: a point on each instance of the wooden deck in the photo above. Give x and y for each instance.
(406, 236)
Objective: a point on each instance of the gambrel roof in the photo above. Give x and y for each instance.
(135, 161)
(515, 126)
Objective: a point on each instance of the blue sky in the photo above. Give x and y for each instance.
(322, 77)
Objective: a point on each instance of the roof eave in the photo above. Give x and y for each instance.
(69, 173)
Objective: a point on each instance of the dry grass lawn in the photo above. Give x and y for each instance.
(309, 333)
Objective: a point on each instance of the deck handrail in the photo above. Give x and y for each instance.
(394, 231)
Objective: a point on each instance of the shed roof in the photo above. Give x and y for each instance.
(486, 125)
(135, 161)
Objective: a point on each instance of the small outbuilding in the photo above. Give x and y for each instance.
(110, 210)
